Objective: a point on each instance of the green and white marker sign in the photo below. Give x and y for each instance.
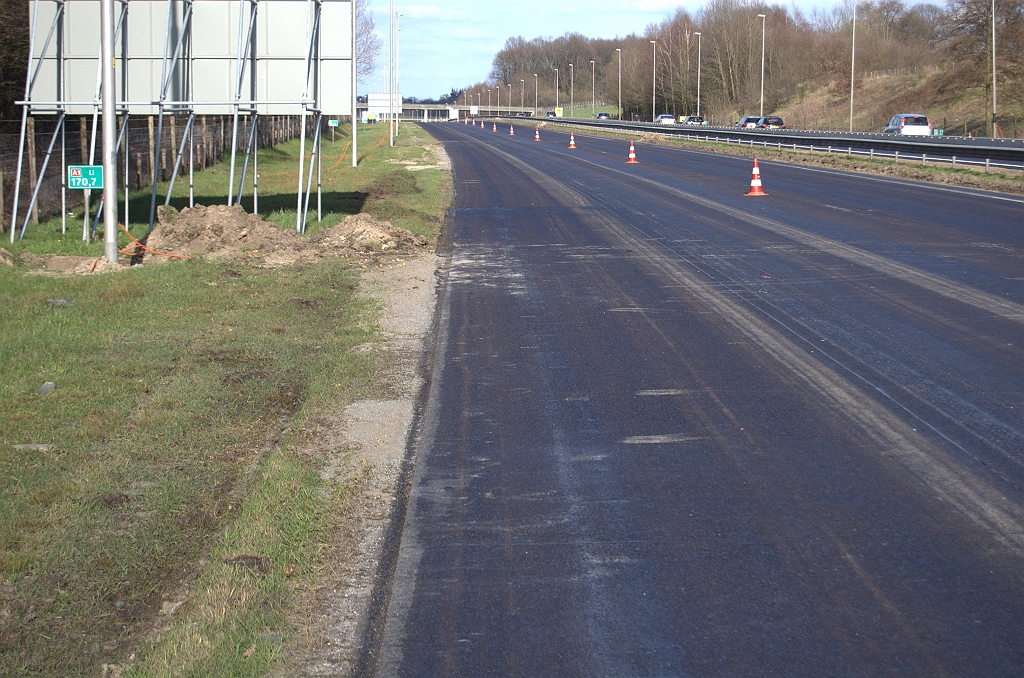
(85, 176)
(332, 123)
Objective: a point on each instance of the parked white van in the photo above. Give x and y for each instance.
(909, 124)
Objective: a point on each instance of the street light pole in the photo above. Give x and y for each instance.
(391, 72)
(509, 97)
(536, 88)
(853, 62)
(593, 89)
(489, 109)
(572, 91)
(762, 62)
(619, 50)
(654, 82)
(522, 93)
(398, 63)
(698, 72)
(993, 68)
(556, 89)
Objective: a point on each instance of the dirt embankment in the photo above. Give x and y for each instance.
(222, 232)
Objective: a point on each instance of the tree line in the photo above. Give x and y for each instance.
(800, 50)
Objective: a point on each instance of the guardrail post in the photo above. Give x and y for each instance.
(924, 158)
(986, 165)
(954, 162)
(896, 158)
(871, 153)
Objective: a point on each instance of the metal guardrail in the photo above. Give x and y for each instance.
(977, 151)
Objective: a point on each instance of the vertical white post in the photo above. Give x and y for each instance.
(762, 16)
(853, 61)
(698, 72)
(109, 121)
(391, 71)
(619, 50)
(355, 80)
(994, 133)
(654, 82)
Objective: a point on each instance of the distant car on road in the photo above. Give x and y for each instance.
(549, 114)
(749, 121)
(665, 119)
(770, 122)
(602, 116)
(694, 120)
(520, 114)
(909, 124)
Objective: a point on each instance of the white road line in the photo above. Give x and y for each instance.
(657, 439)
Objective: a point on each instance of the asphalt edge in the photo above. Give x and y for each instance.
(380, 599)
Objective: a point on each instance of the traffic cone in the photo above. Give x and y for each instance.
(481, 124)
(494, 127)
(511, 132)
(572, 143)
(755, 181)
(536, 135)
(632, 155)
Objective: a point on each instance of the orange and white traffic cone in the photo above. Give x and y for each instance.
(494, 127)
(572, 142)
(481, 124)
(536, 135)
(632, 155)
(755, 181)
(511, 132)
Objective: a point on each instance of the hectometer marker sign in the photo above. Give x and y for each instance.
(85, 176)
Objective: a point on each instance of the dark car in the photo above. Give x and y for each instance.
(749, 121)
(694, 120)
(520, 114)
(603, 116)
(549, 114)
(770, 122)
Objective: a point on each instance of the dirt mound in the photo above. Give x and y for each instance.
(220, 232)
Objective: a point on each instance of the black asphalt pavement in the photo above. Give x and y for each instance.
(677, 431)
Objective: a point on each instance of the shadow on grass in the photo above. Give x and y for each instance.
(335, 202)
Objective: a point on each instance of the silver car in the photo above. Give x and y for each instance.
(665, 119)
(909, 124)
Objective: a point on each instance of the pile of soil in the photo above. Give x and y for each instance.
(222, 232)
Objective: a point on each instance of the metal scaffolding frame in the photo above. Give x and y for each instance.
(177, 75)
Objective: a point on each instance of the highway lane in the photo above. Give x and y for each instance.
(676, 431)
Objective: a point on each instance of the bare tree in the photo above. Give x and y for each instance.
(368, 43)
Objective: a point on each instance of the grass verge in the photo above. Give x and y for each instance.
(166, 517)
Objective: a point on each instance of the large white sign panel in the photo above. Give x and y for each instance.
(282, 45)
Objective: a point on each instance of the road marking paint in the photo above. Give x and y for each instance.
(933, 283)
(658, 439)
(663, 392)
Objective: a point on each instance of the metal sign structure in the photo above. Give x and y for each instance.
(192, 57)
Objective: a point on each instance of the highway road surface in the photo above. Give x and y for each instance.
(677, 431)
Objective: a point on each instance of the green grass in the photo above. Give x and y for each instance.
(380, 186)
(184, 393)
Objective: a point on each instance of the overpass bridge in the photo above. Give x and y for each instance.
(436, 112)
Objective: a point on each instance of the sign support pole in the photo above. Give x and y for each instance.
(109, 123)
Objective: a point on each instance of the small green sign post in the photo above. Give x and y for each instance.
(333, 124)
(85, 176)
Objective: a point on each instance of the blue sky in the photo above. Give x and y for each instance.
(451, 44)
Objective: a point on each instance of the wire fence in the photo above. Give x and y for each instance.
(148, 151)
